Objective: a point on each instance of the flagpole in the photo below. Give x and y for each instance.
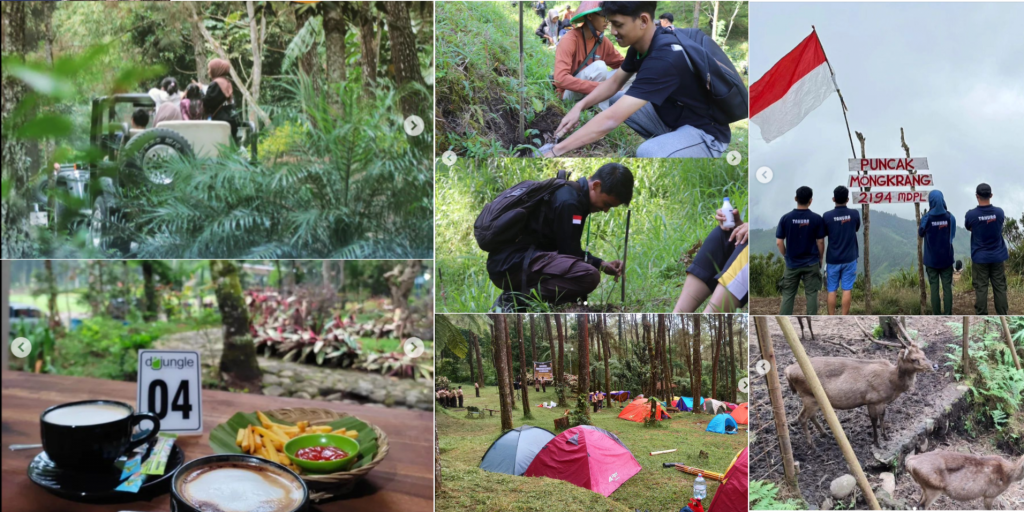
(842, 102)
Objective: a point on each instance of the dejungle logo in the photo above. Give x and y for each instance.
(176, 363)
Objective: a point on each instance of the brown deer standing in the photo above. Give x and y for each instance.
(850, 383)
(962, 477)
(800, 319)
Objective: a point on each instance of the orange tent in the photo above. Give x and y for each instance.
(638, 410)
(740, 413)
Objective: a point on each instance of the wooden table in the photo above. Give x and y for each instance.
(403, 481)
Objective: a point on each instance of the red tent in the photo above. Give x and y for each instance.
(638, 410)
(740, 414)
(732, 493)
(586, 456)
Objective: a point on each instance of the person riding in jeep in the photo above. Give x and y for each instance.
(685, 94)
(584, 54)
(546, 254)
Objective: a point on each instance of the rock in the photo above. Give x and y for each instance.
(888, 482)
(287, 374)
(962, 389)
(379, 395)
(298, 377)
(303, 395)
(411, 397)
(270, 379)
(335, 397)
(842, 487)
(886, 500)
(327, 390)
(929, 425)
(827, 504)
(273, 391)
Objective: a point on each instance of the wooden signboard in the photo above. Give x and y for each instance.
(542, 370)
(890, 180)
(888, 164)
(891, 197)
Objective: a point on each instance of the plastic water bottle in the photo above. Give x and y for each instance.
(730, 221)
(700, 488)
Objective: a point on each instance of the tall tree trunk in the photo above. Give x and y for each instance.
(732, 362)
(152, 310)
(696, 14)
(716, 342)
(650, 355)
(607, 372)
(199, 52)
(665, 386)
(238, 367)
(889, 329)
(533, 340)
(14, 154)
(583, 342)
(501, 364)
(51, 298)
(522, 369)
(257, 33)
(551, 342)
(335, 32)
(695, 369)
(511, 362)
(560, 369)
(479, 358)
(404, 58)
(309, 63)
(401, 281)
(369, 43)
(714, 23)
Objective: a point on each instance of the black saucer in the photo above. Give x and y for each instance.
(97, 486)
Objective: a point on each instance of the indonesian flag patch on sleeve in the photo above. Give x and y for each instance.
(577, 219)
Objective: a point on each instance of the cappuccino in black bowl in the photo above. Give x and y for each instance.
(237, 483)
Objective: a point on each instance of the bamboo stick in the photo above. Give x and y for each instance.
(664, 451)
(708, 475)
(1009, 341)
(775, 394)
(625, 253)
(826, 409)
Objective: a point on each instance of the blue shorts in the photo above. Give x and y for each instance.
(845, 272)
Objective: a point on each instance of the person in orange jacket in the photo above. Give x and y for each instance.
(583, 56)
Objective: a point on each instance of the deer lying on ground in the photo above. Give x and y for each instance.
(962, 477)
(850, 383)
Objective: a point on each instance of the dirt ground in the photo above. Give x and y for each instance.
(933, 396)
(963, 304)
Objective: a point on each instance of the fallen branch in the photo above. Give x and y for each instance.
(841, 344)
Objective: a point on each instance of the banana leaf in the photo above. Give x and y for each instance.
(222, 437)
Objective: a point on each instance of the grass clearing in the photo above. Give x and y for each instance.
(64, 301)
(674, 201)
(465, 487)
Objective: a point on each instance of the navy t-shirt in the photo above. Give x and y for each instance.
(938, 232)
(801, 229)
(841, 227)
(986, 226)
(664, 79)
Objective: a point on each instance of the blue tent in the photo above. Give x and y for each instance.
(513, 452)
(685, 403)
(722, 424)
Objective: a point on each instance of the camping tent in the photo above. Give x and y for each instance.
(712, 406)
(740, 414)
(586, 456)
(687, 403)
(638, 410)
(732, 492)
(513, 452)
(722, 424)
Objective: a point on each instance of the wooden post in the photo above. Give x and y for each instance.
(1009, 341)
(967, 333)
(826, 409)
(920, 241)
(764, 340)
(866, 213)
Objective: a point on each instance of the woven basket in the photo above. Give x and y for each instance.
(334, 484)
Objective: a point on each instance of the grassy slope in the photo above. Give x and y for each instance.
(477, 82)
(465, 487)
(40, 301)
(673, 204)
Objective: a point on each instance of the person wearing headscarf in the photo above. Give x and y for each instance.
(218, 103)
(938, 228)
(167, 111)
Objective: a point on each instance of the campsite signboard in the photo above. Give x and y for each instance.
(542, 370)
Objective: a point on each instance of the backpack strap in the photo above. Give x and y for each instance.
(590, 55)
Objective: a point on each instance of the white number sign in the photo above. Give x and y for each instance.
(170, 386)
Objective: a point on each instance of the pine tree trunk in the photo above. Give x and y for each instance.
(716, 342)
(309, 63)
(560, 369)
(696, 14)
(404, 58)
(607, 372)
(511, 363)
(479, 359)
(533, 341)
(650, 355)
(238, 367)
(666, 383)
(584, 347)
(695, 369)
(523, 385)
(152, 310)
(501, 365)
(335, 32)
(551, 342)
(732, 362)
(369, 45)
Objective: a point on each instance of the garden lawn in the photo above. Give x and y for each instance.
(40, 301)
(465, 487)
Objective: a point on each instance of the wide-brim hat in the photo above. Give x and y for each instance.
(586, 7)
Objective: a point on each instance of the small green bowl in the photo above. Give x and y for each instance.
(343, 443)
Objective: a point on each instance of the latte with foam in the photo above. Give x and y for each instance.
(96, 413)
(240, 487)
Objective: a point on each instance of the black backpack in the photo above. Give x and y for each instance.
(729, 98)
(503, 220)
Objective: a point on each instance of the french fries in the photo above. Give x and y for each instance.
(267, 441)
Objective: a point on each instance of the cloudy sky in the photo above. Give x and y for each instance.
(950, 74)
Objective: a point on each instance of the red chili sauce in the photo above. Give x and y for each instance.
(320, 454)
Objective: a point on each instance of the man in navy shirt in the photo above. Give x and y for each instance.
(841, 227)
(938, 228)
(666, 103)
(988, 252)
(800, 238)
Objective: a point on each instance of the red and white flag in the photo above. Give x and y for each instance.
(577, 219)
(791, 89)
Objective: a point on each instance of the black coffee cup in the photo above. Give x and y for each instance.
(92, 434)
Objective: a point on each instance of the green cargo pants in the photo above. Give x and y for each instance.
(945, 276)
(811, 277)
(982, 275)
